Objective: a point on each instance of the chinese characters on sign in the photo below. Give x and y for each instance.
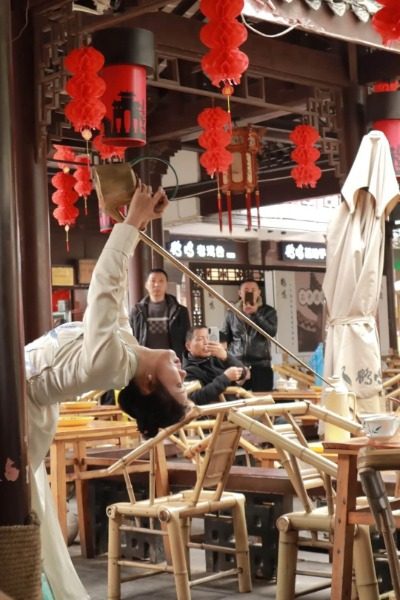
(298, 251)
(190, 249)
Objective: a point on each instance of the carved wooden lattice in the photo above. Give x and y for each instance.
(56, 33)
(324, 111)
(217, 275)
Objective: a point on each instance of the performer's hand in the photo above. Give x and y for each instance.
(145, 206)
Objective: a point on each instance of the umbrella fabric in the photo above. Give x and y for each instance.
(352, 283)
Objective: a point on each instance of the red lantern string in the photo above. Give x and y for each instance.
(224, 64)
(65, 196)
(85, 111)
(306, 173)
(387, 20)
(83, 185)
(107, 151)
(216, 159)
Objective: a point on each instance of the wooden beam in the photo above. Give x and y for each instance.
(377, 65)
(269, 57)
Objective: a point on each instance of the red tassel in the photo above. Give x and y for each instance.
(248, 210)
(219, 203)
(67, 237)
(258, 208)
(229, 209)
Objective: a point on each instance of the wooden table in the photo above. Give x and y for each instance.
(346, 515)
(99, 412)
(78, 439)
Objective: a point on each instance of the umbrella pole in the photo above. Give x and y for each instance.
(184, 269)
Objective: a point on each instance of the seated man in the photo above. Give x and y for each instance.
(212, 365)
(99, 353)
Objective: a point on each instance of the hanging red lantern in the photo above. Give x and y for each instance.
(129, 54)
(383, 113)
(387, 20)
(216, 159)
(83, 185)
(306, 173)
(85, 111)
(242, 175)
(65, 196)
(224, 64)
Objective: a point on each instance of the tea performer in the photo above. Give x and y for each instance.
(98, 353)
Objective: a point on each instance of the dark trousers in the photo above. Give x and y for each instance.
(261, 380)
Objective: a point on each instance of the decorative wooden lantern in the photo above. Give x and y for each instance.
(128, 53)
(242, 175)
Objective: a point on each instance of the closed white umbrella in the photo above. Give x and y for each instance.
(352, 283)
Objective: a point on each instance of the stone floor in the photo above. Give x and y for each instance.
(93, 573)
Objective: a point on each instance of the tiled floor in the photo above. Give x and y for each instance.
(93, 573)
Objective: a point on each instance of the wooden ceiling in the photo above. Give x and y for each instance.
(301, 77)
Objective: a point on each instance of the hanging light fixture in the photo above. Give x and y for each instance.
(224, 64)
(85, 111)
(65, 195)
(306, 173)
(129, 55)
(216, 158)
(242, 175)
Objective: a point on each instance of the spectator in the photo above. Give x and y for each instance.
(210, 363)
(246, 344)
(158, 320)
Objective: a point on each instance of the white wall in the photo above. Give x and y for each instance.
(214, 310)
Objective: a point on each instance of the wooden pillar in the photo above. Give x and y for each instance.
(31, 185)
(352, 122)
(388, 270)
(14, 490)
(135, 277)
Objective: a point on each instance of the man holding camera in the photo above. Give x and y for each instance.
(245, 343)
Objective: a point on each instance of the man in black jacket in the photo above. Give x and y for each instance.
(158, 320)
(211, 364)
(245, 343)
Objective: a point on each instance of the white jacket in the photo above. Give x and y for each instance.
(70, 360)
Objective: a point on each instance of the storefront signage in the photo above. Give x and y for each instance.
(189, 249)
(302, 252)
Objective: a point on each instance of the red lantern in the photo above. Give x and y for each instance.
(242, 175)
(224, 64)
(383, 113)
(83, 185)
(215, 138)
(129, 53)
(85, 111)
(306, 173)
(387, 20)
(65, 196)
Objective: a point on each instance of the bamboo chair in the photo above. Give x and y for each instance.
(370, 463)
(292, 526)
(190, 434)
(174, 513)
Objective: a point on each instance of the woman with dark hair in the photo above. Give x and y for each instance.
(99, 353)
